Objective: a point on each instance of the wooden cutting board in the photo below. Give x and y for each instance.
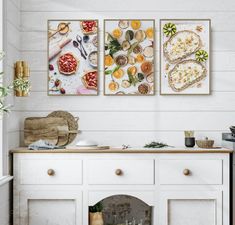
(87, 147)
(52, 129)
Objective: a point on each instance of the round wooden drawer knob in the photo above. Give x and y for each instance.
(51, 172)
(118, 172)
(186, 172)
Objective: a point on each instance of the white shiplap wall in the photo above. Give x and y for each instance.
(133, 120)
(12, 50)
(11, 46)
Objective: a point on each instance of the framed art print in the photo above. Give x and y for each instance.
(129, 47)
(185, 56)
(73, 57)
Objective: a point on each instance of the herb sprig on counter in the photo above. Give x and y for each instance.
(155, 144)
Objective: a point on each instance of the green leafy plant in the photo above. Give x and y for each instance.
(21, 85)
(155, 144)
(98, 207)
(4, 91)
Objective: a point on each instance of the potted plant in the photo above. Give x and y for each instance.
(21, 87)
(95, 214)
(4, 91)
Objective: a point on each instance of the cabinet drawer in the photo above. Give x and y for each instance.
(121, 171)
(46, 171)
(190, 171)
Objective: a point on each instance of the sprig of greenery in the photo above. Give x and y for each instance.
(4, 91)
(113, 45)
(21, 85)
(155, 144)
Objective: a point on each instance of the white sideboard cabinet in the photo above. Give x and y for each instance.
(182, 186)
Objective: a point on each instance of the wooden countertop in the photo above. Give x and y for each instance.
(129, 150)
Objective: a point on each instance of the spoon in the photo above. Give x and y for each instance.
(79, 40)
(76, 45)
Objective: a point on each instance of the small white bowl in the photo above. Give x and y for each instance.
(86, 143)
(93, 65)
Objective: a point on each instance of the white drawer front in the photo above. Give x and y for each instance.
(46, 171)
(190, 171)
(121, 171)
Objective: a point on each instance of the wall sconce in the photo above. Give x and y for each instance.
(21, 81)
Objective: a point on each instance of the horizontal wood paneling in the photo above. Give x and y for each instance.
(13, 35)
(17, 3)
(133, 120)
(139, 121)
(148, 5)
(13, 139)
(39, 101)
(12, 44)
(12, 55)
(221, 21)
(13, 13)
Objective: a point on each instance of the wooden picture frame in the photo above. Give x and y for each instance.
(188, 74)
(124, 86)
(72, 48)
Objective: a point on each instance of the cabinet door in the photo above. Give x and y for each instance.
(50, 207)
(194, 208)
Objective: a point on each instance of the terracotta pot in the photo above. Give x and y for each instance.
(96, 218)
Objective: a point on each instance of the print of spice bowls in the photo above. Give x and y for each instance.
(185, 56)
(129, 57)
(72, 57)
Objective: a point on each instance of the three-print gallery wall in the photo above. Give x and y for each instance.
(133, 120)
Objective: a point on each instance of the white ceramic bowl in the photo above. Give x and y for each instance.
(86, 143)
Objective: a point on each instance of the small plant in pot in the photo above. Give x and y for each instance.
(21, 87)
(95, 214)
(189, 138)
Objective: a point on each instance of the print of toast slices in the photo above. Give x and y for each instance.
(186, 74)
(181, 45)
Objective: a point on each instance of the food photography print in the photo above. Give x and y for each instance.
(73, 57)
(185, 56)
(129, 57)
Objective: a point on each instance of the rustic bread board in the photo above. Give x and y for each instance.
(52, 129)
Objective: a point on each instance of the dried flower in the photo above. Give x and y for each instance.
(189, 133)
(199, 28)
